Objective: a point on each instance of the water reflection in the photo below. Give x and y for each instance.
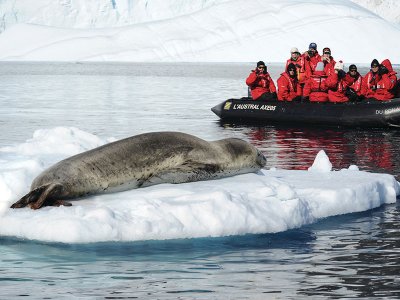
(363, 261)
(355, 255)
(295, 148)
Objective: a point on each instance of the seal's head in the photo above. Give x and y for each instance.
(261, 159)
(241, 155)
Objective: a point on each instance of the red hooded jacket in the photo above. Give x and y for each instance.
(260, 84)
(354, 82)
(288, 87)
(380, 87)
(338, 89)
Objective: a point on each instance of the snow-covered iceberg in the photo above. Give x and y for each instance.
(204, 31)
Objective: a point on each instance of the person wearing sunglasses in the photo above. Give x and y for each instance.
(329, 62)
(354, 81)
(289, 88)
(262, 87)
(380, 82)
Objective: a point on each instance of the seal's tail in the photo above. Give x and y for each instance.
(41, 196)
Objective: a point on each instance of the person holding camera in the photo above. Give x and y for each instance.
(329, 62)
(379, 83)
(312, 57)
(337, 91)
(262, 87)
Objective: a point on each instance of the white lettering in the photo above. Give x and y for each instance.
(254, 106)
(268, 107)
(246, 106)
(392, 110)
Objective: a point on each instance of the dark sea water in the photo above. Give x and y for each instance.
(349, 256)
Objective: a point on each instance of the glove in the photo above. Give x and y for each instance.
(383, 70)
(341, 74)
(351, 94)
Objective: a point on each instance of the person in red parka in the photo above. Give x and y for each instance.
(316, 88)
(302, 66)
(329, 62)
(337, 92)
(379, 83)
(312, 57)
(289, 88)
(354, 82)
(262, 87)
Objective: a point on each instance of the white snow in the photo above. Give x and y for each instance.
(269, 201)
(199, 31)
(387, 9)
(321, 163)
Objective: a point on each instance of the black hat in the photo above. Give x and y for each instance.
(352, 68)
(375, 62)
(326, 49)
(291, 66)
(260, 63)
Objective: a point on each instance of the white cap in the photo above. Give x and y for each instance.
(294, 50)
(339, 65)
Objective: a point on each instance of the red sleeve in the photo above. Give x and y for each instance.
(388, 82)
(307, 67)
(329, 67)
(272, 87)
(348, 79)
(364, 85)
(307, 88)
(251, 80)
(299, 89)
(283, 91)
(332, 80)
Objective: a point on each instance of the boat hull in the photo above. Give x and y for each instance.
(360, 114)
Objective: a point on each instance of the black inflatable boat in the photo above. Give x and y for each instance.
(359, 114)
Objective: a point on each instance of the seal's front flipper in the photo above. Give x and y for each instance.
(50, 192)
(41, 196)
(32, 196)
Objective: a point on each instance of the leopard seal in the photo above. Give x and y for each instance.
(140, 161)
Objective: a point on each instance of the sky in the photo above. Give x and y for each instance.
(269, 201)
(197, 30)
